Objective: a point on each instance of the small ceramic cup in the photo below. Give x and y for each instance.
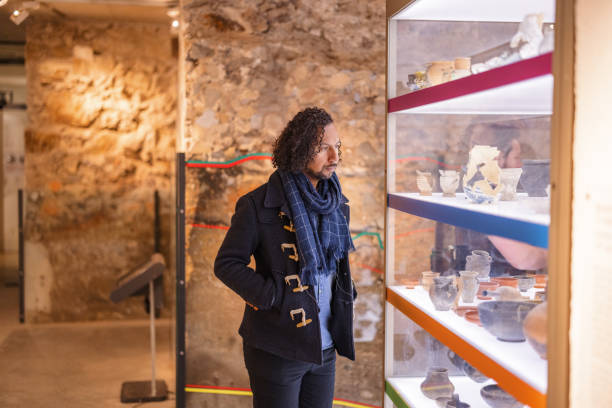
(525, 282)
(509, 179)
(424, 182)
(427, 278)
(449, 181)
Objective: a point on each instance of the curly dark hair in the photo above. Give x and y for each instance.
(300, 140)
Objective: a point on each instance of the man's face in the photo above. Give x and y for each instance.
(325, 161)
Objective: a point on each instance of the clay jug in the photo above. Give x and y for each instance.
(437, 384)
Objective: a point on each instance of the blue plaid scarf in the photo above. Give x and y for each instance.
(317, 210)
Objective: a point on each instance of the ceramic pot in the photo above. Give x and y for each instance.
(480, 263)
(439, 72)
(509, 179)
(504, 319)
(534, 328)
(427, 278)
(470, 285)
(462, 63)
(535, 177)
(443, 292)
(437, 384)
(449, 181)
(457, 404)
(525, 282)
(498, 398)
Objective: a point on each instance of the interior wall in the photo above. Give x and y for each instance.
(590, 352)
(250, 67)
(102, 110)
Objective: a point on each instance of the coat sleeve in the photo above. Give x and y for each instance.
(234, 256)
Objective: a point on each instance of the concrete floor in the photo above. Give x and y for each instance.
(77, 365)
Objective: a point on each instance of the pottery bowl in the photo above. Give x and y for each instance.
(498, 398)
(525, 282)
(541, 278)
(477, 196)
(535, 177)
(473, 373)
(472, 317)
(506, 281)
(504, 318)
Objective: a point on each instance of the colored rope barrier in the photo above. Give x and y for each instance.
(374, 234)
(268, 156)
(379, 271)
(424, 158)
(212, 389)
(229, 163)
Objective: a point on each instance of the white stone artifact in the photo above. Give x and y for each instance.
(481, 182)
(424, 182)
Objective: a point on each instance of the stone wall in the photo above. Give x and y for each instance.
(250, 66)
(102, 113)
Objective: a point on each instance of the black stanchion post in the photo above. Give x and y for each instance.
(157, 223)
(21, 258)
(180, 280)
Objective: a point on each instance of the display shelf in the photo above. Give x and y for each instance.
(523, 87)
(520, 220)
(475, 10)
(406, 392)
(516, 367)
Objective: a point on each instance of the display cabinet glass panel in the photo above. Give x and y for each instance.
(470, 93)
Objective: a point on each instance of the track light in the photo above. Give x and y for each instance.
(18, 16)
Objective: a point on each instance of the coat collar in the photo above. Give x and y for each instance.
(275, 194)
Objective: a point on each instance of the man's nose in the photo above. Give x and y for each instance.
(333, 155)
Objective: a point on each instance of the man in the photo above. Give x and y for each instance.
(299, 299)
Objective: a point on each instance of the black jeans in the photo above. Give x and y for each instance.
(278, 382)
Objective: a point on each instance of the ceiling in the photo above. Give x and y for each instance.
(12, 37)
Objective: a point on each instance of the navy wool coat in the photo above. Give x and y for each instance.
(281, 313)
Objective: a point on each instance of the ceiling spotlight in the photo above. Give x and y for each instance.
(173, 13)
(18, 16)
(175, 23)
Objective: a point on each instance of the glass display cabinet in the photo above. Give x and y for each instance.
(469, 105)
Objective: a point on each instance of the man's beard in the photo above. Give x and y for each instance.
(319, 175)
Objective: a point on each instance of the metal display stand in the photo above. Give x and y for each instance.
(21, 259)
(180, 280)
(129, 285)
